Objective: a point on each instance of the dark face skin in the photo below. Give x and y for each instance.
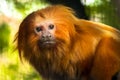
(45, 31)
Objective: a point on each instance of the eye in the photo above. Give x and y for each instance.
(38, 29)
(51, 26)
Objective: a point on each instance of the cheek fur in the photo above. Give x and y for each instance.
(33, 42)
(62, 35)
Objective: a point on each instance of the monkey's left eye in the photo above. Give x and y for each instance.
(51, 26)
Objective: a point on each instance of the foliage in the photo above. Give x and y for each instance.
(4, 37)
(24, 7)
(105, 12)
(12, 69)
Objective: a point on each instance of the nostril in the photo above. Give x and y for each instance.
(49, 35)
(46, 36)
(43, 36)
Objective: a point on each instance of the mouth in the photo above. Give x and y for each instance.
(47, 43)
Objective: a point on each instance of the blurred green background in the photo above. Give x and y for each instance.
(12, 12)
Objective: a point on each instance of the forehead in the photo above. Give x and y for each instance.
(43, 21)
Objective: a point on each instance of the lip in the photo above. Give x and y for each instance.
(47, 43)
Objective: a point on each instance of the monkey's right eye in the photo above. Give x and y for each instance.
(38, 29)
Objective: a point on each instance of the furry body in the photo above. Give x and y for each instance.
(81, 49)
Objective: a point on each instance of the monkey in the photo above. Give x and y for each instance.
(61, 46)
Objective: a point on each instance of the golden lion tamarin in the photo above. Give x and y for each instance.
(61, 46)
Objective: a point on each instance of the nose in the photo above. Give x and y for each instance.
(46, 36)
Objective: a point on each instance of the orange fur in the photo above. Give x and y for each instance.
(85, 50)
